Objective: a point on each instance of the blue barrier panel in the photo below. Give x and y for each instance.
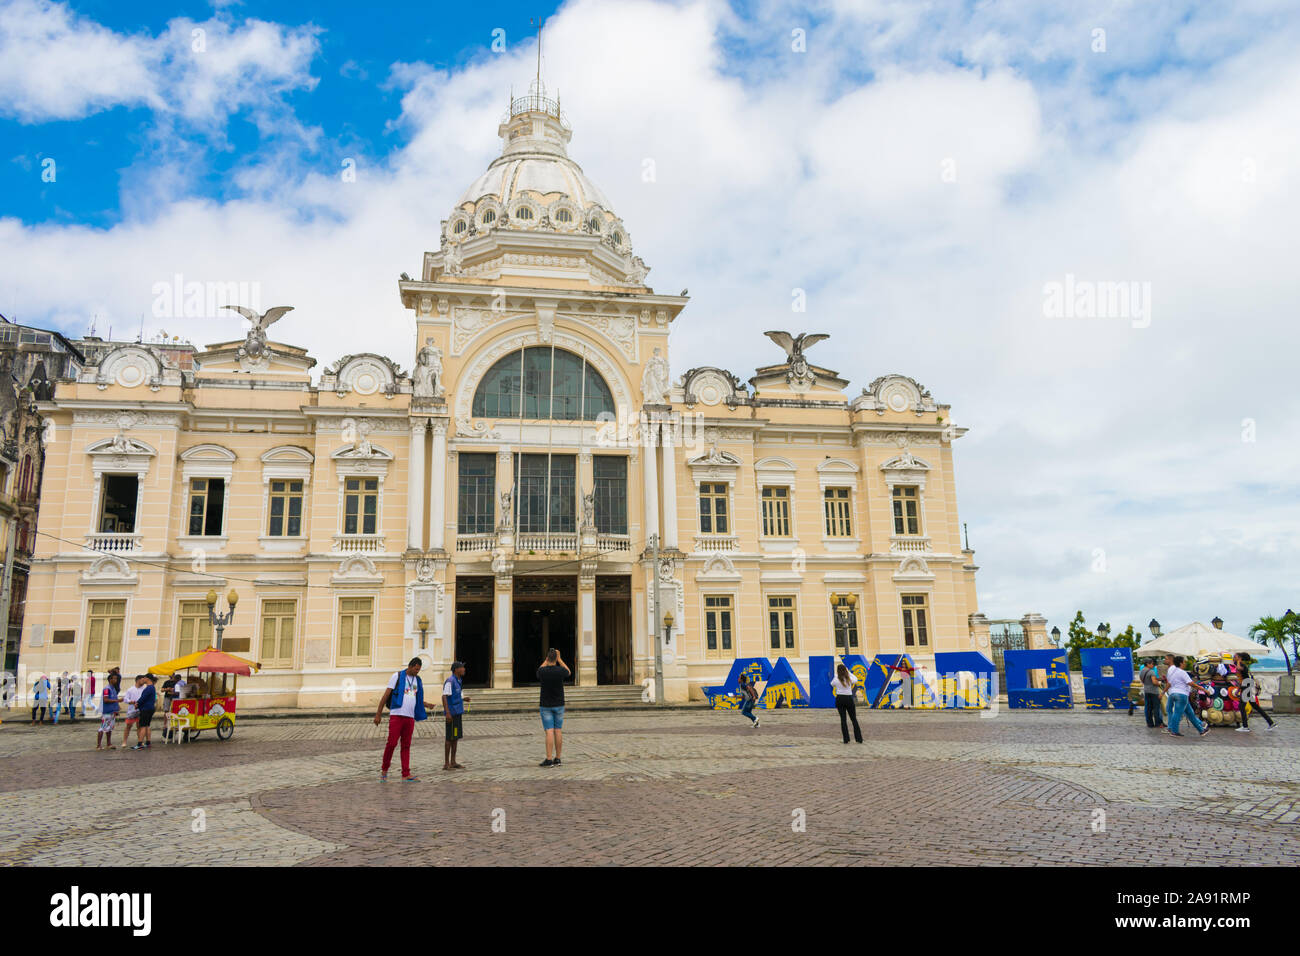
(783, 688)
(821, 670)
(950, 664)
(1055, 696)
(722, 696)
(900, 691)
(1099, 690)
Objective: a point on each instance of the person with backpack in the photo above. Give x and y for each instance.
(748, 698)
(404, 699)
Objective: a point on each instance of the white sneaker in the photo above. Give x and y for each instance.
(1243, 730)
(1272, 726)
(755, 725)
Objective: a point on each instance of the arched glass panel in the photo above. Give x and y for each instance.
(524, 385)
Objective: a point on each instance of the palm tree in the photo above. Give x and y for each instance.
(1277, 630)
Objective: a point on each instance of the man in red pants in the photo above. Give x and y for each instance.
(404, 699)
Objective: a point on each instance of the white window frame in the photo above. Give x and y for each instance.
(205, 461)
(774, 472)
(285, 463)
(734, 594)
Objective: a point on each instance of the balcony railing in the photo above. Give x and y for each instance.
(613, 542)
(546, 542)
(114, 541)
(908, 544)
(364, 543)
(714, 543)
(476, 543)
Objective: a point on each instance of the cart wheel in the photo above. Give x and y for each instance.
(192, 735)
(225, 727)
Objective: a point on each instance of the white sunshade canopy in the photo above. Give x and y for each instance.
(1191, 640)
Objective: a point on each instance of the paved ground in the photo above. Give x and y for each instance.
(1020, 788)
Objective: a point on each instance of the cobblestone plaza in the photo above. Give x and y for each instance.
(686, 787)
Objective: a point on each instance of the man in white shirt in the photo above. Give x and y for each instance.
(404, 699)
(132, 712)
(1180, 686)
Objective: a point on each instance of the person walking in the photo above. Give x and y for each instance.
(1180, 686)
(404, 699)
(89, 701)
(56, 700)
(40, 697)
(843, 683)
(552, 675)
(453, 707)
(108, 710)
(748, 698)
(1249, 693)
(145, 706)
(1150, 678)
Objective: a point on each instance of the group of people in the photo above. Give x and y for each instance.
(140, 701)
(1177, 686)
(843, 683)
(65, 695)
(404, 700)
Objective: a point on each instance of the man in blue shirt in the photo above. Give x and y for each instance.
(453, 706)
(146, 705)
(404, 699)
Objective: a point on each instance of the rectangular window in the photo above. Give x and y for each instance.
(360, 505)
(195, 630)
(717, 626)
(355, 619)
(776, 512)
(780, 623)
(846, 625)
(117, 506)
(207, 505)
(839, 519)
(105, 624)
(713, 508)
(609, 475)
(476, 497)
(277, 632)
(906, 510)
(286, 509)
(916, 629)
(545, 499)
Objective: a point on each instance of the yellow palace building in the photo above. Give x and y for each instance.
(501, 497)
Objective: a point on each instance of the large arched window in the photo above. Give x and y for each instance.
(525, 384)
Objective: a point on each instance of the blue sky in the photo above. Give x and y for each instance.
(922, 172)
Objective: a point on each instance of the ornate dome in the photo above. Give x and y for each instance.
(534, 185)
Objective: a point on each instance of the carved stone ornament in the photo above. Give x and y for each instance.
(655, 380)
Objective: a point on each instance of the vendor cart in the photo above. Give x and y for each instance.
(211, 678)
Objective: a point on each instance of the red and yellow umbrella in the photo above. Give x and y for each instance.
(208, 661)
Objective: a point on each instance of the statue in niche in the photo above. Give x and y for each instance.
(426, 381)
(654, 381)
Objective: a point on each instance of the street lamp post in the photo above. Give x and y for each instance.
(842, 606)
(1056, 635)
(218, 621)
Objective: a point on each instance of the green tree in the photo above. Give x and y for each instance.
(1080, 637)
(1277, 631)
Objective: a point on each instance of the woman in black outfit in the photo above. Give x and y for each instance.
(844, 702)
(1249, 692)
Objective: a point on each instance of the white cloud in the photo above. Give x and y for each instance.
(1086, 433)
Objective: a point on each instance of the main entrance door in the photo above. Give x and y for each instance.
(546, 616)
(474, 629)
(614, 629)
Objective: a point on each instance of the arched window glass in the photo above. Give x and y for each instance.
(525, 385)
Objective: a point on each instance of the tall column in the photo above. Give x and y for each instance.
(670, 490)
(587, 630)
(415, 486)
(650, 476)
(438, 488)
(503, 619)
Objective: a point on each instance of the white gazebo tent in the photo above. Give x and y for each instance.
(1191, 640)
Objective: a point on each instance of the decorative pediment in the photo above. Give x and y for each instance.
(287, 454)
(362, 449)
(913, 568)
(718, 569)
(121, 445)
(837, 471)
(109, 569)
(208, 453)
(895, 393)
(365, 373)
(713, 386)
(905, 469)
(357, 569)
(131, 366)
(714, 456)
(207, 461)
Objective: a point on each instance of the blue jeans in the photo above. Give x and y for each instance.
(747, 708)
(552, 718)
(1178, 705)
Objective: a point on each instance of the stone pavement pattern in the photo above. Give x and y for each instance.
(685, 787)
